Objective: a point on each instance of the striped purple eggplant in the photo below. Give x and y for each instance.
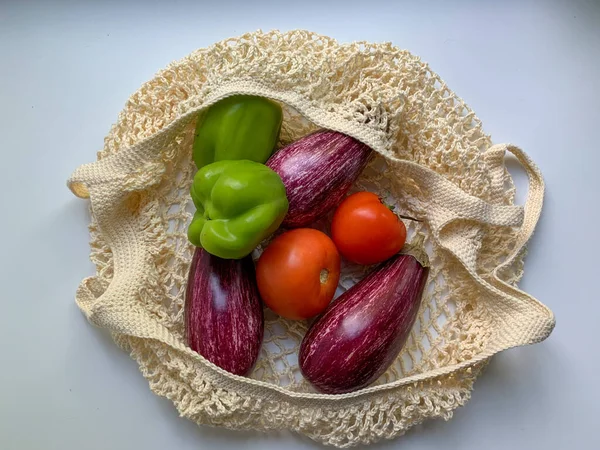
(223, 312)
(317, 172)
(362, 332)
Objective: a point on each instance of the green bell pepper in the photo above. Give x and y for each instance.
(237, 127)
(239, 203)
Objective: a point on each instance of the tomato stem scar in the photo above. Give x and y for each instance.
(324, 276)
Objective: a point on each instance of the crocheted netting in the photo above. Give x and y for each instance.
(433, 162)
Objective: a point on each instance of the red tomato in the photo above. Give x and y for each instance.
(298, 273)
(365, 231)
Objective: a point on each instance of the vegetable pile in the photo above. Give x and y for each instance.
(244, 191)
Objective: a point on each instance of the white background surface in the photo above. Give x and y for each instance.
(530, 71)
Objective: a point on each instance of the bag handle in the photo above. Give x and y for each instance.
(520, 318)
(533, 202)
(540, 317)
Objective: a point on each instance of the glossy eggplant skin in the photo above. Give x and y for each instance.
(223, 311)
(362, 332)
(317, 171)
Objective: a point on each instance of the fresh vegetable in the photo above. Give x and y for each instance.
(239, 203)
(365, 231)
(361, 333)
(298, 273)
(223, 312)
(317, 171)
(237, 127)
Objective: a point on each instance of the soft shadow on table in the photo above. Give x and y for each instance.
(66, 232)
(116, 359)
(512, 377)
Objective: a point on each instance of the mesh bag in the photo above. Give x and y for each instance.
(433, 162)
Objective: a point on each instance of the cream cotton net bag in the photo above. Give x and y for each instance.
(433, 162)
